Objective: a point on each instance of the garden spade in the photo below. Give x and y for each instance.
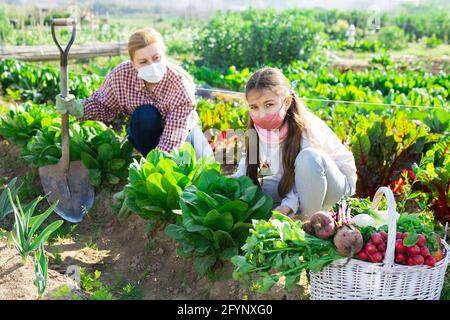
(67, 181)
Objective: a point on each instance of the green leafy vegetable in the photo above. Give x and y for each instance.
(22, 122)
(217, 215)
(278, 250)
(156, 182)
(384, 146)
(102, 151)
(434, 174)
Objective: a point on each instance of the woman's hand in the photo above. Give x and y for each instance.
(70, 105)
(283, 209)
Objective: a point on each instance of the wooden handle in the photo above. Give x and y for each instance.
(64, 53)
(63, 22)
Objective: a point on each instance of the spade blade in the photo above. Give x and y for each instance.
(74, 192)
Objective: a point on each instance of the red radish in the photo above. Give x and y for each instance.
(400, 257)
(410, 261)
(430, 261)
(370, 248)
(398, 235)
(376, 238)
(424, 252)
(421, 239)
(418, 260)
(376, 257)
(363, 255)
(381, 247)
(384, 235)
(399, 246)
(438, 255)
(413, 251)
(404, 235)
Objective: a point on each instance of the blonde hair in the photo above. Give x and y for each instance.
(274, 80)
(144, 37)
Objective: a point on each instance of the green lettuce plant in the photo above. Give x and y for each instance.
(102, 151)
(216, 217)
(157, 181)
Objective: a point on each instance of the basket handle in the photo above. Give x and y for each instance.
(392, 223)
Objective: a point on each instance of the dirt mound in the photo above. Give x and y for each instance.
(124, 250)
(16, 279)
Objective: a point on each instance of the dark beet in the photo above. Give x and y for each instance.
(323, 224)
(348, 240)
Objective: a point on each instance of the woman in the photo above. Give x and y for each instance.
(158, 95)
(304, 163)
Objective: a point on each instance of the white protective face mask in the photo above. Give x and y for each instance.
(154, 72)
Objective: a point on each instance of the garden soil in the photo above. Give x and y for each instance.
(122, 250)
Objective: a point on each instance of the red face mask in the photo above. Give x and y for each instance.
(271, 121)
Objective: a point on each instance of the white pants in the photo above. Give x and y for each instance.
(319, 183)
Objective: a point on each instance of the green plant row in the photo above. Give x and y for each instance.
(36, 131)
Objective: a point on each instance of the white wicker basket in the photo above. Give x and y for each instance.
(361, 280)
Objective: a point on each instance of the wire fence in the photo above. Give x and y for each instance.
(241, 96)
(335, 101)
(366, 103)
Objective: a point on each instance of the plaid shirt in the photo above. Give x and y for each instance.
(123, 91)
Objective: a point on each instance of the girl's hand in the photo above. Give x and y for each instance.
(283, 209)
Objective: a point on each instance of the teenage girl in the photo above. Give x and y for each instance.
(304, 166)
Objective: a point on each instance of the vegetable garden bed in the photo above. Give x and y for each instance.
(170, 226)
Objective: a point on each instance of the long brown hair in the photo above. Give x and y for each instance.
(144, 37)
(274, 80)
